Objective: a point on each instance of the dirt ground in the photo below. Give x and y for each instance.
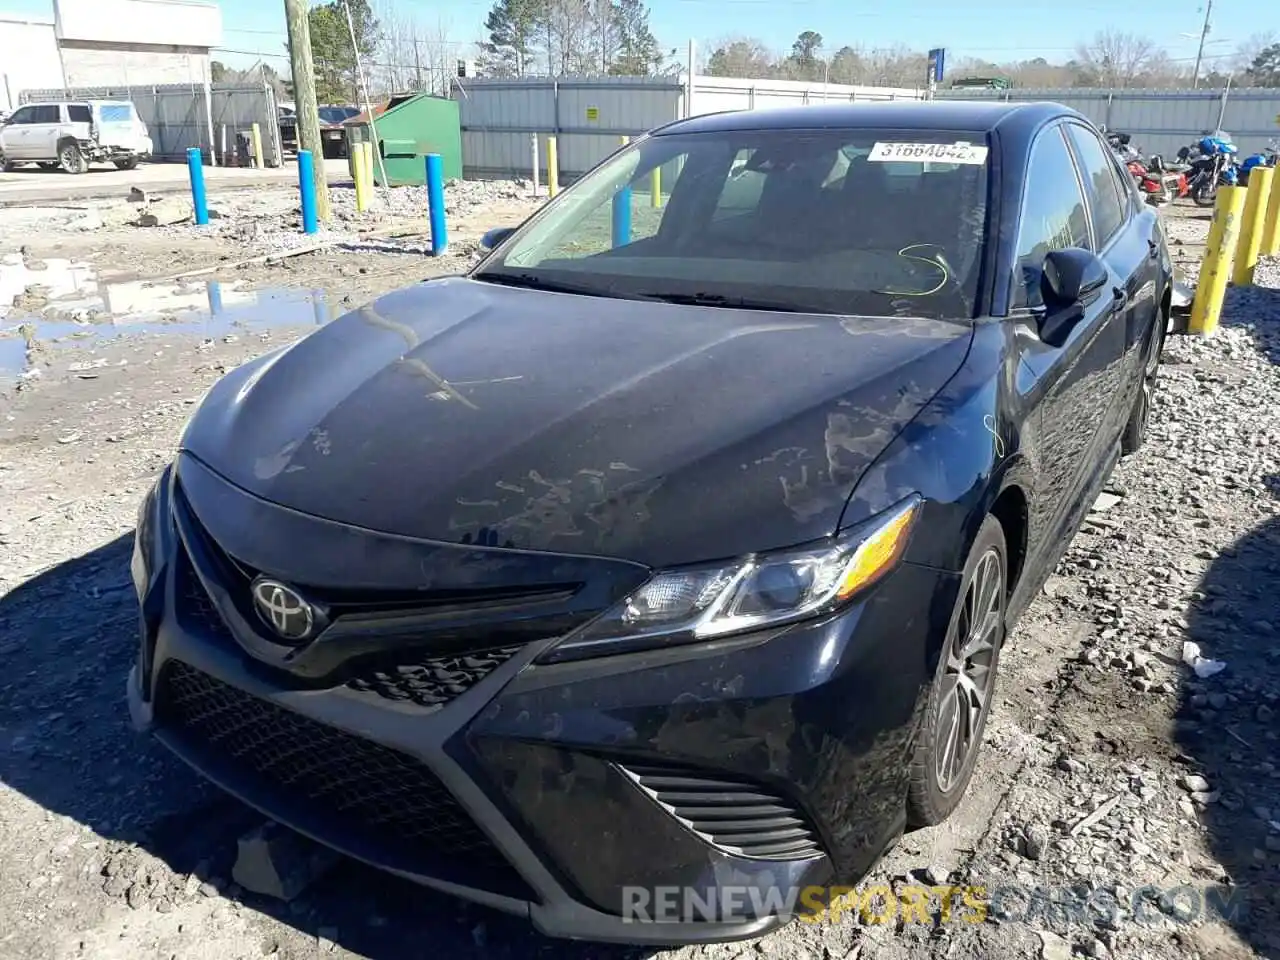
(1112, 774)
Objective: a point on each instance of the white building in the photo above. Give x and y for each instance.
(117, 43)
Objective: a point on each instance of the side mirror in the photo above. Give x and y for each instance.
(1069, 280)
(495, 237)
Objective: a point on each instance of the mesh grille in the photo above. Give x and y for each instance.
(382, 798)
(433, 681)
(741, 818)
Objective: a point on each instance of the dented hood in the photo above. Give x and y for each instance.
(462, 411)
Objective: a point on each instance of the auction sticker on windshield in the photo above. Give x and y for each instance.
(960, 152)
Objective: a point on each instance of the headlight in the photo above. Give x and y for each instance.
(705, 602)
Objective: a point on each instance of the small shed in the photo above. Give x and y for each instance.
(409, 126)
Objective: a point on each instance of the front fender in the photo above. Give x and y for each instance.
(960, 453)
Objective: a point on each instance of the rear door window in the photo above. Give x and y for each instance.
(1053, 215)
(79, 113)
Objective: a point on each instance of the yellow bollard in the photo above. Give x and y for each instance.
(1211, 286)
(357, 164)
(255, 135)
(1271, 231)
(655, 187)
(553, 168)
(366, 146)
(1251, 227)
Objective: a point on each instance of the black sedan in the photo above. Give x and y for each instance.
(657, 570)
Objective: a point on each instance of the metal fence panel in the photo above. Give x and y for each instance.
(586, 115)
(1161, 121)
(179, 116)
(715, 94)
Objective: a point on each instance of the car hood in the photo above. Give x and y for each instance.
(462, 411)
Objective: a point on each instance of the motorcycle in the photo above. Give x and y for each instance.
(1158, 185)
(1263, 158)
(1212, 163)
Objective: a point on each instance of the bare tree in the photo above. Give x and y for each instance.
(1115, 59)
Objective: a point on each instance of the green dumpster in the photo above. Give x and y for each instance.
(409, 127)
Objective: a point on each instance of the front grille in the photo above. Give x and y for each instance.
(195, 606)
(431, 682)
(358, 795)
(741, 818)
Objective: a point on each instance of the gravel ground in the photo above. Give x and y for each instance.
(1116, 786)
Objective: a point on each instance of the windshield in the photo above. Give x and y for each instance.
(822, 221)
(337, 114)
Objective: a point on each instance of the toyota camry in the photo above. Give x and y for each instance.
(672, 547)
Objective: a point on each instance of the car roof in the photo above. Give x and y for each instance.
(884, 114)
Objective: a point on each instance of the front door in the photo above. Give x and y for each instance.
(15, 135)
(1069, 384)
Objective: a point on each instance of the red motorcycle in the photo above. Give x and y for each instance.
(1157, 184)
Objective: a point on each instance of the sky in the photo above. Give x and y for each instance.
(998, 30)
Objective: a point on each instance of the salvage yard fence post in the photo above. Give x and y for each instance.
(1211, 287)
(1253, 225)
(199, 202)
(435, 204)
(307, 188)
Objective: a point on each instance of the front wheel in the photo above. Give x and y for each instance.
(963, 684)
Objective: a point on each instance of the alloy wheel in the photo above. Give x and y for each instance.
(969, 677)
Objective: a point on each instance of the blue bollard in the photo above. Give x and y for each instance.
(215, 298)
(622, 217)
(195, 166)
(435, 204)
(307, 185)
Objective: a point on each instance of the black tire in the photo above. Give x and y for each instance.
(70, 157)
(129, 163)
(1135, 431)
(1205, 195)
(971, 649)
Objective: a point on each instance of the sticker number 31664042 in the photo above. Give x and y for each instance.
(940, 152)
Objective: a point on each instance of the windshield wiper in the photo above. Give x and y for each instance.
(531, 281)
(719, 300)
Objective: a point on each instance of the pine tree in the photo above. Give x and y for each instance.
(638, 51)
(512, 26)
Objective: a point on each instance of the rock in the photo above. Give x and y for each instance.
(1105, 502)
(209, 888)
(935, 874)
(164, 213)
(1035, 841)
(276, 862)
(138, 195)
(1053, 947)
(327, 939)
(1194, 783)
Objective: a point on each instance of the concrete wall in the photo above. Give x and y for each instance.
(94, 65)
(28, 59)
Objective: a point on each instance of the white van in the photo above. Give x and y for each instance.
(71, 134)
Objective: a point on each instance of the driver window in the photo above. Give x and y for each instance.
(1053, 215)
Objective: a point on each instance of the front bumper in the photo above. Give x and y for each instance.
(549, 780)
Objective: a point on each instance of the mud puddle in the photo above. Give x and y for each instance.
(57, 304)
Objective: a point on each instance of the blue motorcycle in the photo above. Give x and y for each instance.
(1212, 163)
(1263, 158)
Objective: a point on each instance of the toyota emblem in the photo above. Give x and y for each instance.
(283, 609)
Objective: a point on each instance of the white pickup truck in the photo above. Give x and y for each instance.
(71, 134)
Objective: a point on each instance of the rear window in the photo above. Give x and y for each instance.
(116, 112)
(873, 222)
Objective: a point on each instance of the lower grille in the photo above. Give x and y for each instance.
(432, 681)
(740, 818)
(358, 795)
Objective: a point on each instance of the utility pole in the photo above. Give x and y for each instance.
(304, 96)
(1204, 33)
